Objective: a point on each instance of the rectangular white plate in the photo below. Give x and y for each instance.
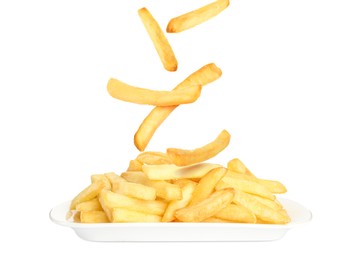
(176, 231)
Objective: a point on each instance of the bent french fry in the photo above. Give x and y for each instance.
(196, 17)
(159, 40)
(90, 205)
(126, 215)
(150, 124)
(98, 216)
(125, 92)
(89, 193)
(207, 207)
(238, 166)
(182, 157)
(171, 171)
(207, 184)
(154, 158)
(236, 213)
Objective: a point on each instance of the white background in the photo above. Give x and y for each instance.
(290, 95)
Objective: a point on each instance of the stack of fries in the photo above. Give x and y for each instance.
(177, 185)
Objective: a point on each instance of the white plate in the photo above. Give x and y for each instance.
(183, 231)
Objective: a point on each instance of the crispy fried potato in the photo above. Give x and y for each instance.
(101, 177)
(135, 165)
(238, 166)
(236, 213)
(216, 220)
(134, 190)
(206, 185)
(207, 207)
(112, 200)
(153, 158)
(246, 186)
(187, 190)
(196, 17)
(125, 92)
(171, 172)
(90, 205)
(182, 157)
(136, 177)
(89, 193)
(261, 211)
(98, 216)
(166, 190)
(150, 124)
(159, 40)
(127, 215)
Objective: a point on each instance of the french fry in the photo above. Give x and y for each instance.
(134, 165)
(261, 211)
(166, 190)
(171, 172)
(136, 177)
(159, 40)
(216, 220)
(236, 213)
(245, 186)
(127, 93)
(206, 185)
(154, 158)
(150, 124)
(112, 200)
(187, 190)
(207, 207)
(134, 190)
(90, 205)
(182, 157)
(274, 204)
(101, 177)
(89, 193)
(196, 17)
(126, 215)
(238, 166)
(93, 217)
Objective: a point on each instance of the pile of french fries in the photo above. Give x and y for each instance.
(177, 185)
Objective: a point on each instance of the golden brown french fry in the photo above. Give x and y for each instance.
(154, 158)
(114, 200)
(135, 165)
(125, 92)
(171, 171)
(182, 157)
(206, 185)
(261, 211)
(238, 166)
(159, 40)
(216, 220)
(136, 177)
(246, 186)
(236, 213)
(166, 190)
(127, 215)
(196, 17)
(89, 193)
(274, 204)
(93, 217)
(207, 207)
(101, 177)
(150, 124)
(134, 190)
(174, 205)
(90, 205)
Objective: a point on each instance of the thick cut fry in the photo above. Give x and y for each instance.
(125, 92)
(114, 200)
(170, 171)
(187, 190)
(93, 217)
(260, 210)
(236, 213)
(159, 40)
(101, 177)
(206, 185)
(135, 165)
(153, 158)
(246, 186)
(90, 205)
(217, 220)
(238, 166)
(134, 190)
(206, 208)
(126, 215)
(166, 190)
(88, 193)
(196, 17)
(274, 204)
(187, 157)
(136, 177)
(150, 124)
